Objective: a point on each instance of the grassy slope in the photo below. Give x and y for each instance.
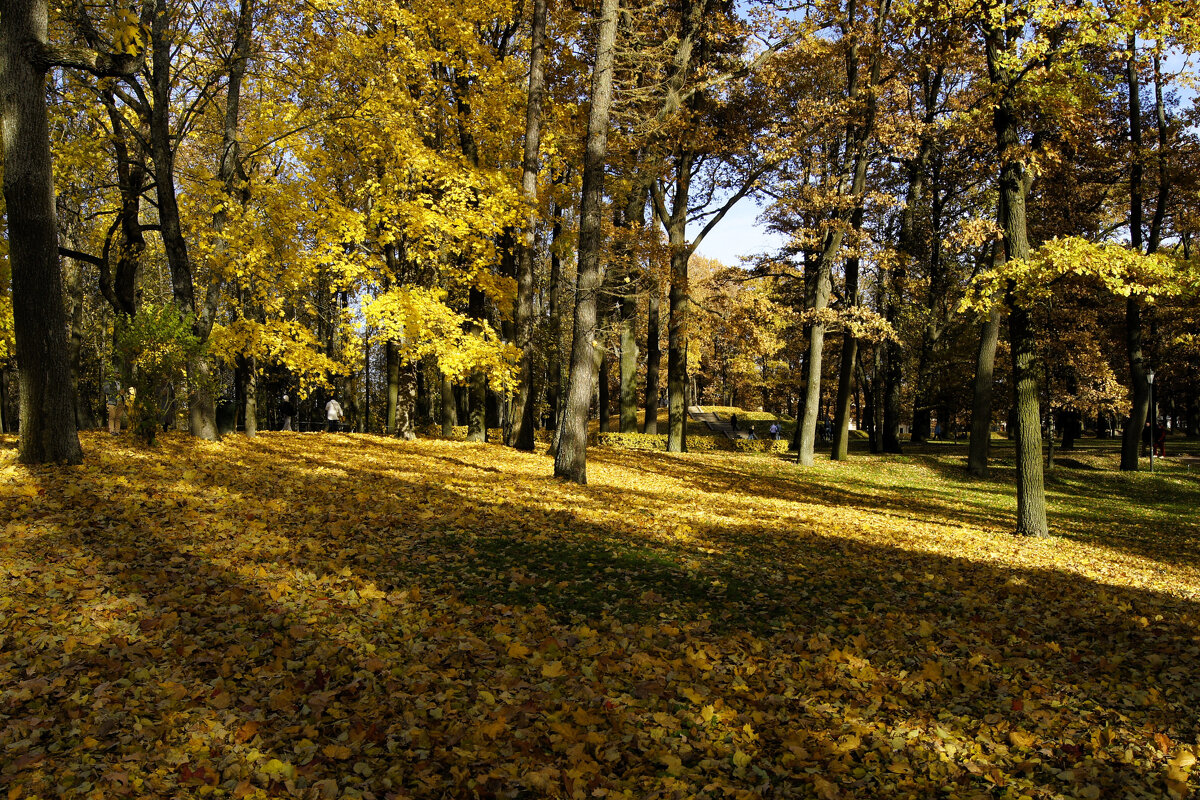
(324, 616)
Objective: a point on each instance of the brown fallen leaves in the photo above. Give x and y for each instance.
(334, 616)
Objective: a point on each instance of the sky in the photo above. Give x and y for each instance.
(737, 235)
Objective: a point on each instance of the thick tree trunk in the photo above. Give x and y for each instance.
(679, 299)
(981, 406)
(250, 396)
(1014, 187)
(1139, 386)
(406, 402)
(47, 404)
(653, 356)
(523, 409)
(570, 461)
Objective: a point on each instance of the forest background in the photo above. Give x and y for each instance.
(488, 213)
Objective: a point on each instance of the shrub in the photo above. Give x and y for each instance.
(761, 445)
(633, 441)
(157, 342)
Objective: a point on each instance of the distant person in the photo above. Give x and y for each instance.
(287, 410)
(774, 430)
(937, 431)
(828, 428)
(733, 421)
(112, 403)
(1147, 436)
(1160, 441)
(333, 415)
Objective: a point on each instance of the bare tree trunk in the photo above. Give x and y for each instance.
(524, 407)
(449, 407)
(47, 404)
(570, 462)
(981, 407)
(653, 357)
(392, 364)
(1014, 187)
(1139, 385)
(554, 362)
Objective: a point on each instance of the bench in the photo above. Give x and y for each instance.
(1189, 461)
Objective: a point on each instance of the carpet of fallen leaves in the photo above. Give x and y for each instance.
(317, 616)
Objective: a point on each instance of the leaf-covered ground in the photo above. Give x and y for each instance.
(337, 616)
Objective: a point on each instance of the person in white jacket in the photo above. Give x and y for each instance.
(333, 415)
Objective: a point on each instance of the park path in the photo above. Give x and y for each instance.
(715, 423)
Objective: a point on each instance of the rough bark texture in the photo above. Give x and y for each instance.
(570, 460)
(523, 409)
(811, 402)
(1014, 187)
(1139, 386)
(47, 404)
(679, 301)
(981, 406)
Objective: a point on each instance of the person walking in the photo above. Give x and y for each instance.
(774, 430)
(287, 410)
(333, 415)
(112, 403)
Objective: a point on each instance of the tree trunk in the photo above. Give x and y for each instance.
(1139, 386)
(811, 406)
(477, 386)
(570, 462)
(250, 396)
(449, 408)
(524, 407)
(679, 300)
(1014, 187)
(392, 364)
(841, 421)
(604, 401)
(653, 356)
(554, 362)
(47, 404)
(406, 405)
(981, 406)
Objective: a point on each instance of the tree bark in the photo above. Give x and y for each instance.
(449, 407)
(841, 421)
(554, 362)
(653, 356)
(524, 406)
(1014, 187)
(392, 365)
(981, 406)
(47, 405)
(570, 461)
(1139, 385)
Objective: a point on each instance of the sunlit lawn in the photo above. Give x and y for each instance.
(307, 615)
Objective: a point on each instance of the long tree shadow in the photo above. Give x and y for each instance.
(305, 606)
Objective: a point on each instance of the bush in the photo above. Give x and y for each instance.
(761, 445)
(633, 441)
(157, 342)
